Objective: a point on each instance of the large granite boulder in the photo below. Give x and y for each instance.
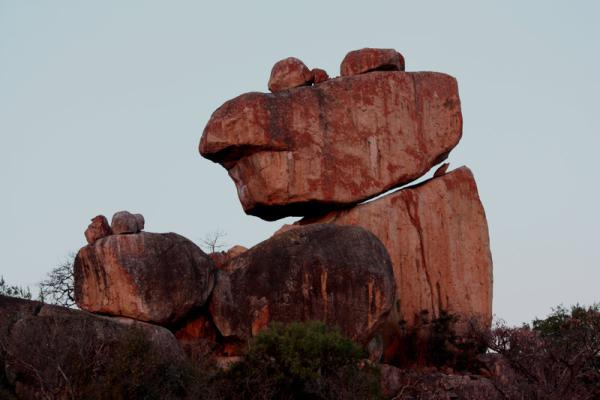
(147, 276)
(307, 150)
(54, 352)
(437, 237)
(339, 275)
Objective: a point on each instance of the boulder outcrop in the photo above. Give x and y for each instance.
(366, 60)
(437, 237)
(337, 274)
(151, 277)
(311, 149)
(54, 352)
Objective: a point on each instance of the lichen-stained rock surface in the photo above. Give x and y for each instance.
(367, 60)
(309, 149)
(54, 352)
(154, 277)
(437, 237)
(339, 275)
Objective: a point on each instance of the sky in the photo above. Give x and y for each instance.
(102, 105)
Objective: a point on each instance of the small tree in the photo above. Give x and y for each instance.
(58, 288)
(213, 241)
(13, 290)
(557, 358)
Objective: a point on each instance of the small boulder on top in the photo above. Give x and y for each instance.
(98, 229)
(289, 73)
(366, 60)
(319, 75)
(126, 222)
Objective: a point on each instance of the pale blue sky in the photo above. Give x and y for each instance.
(102, 105)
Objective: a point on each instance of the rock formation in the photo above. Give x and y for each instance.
(437, 237)
(341, 275)
(42, 344)
(306, 150)
(318, 148)
(147, 276)
(320, 151)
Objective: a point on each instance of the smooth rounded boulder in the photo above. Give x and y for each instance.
(368, 60)
(153, 277)
(289, 73)
(341, 275)
(125, 222)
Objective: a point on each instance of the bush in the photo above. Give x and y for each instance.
(300, 361)
(556, 358)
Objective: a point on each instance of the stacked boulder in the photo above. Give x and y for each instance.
(214, 303)
(320, 149)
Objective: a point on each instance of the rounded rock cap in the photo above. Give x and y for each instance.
(366, 60)
(289, 73)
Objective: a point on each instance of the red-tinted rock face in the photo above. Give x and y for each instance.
(340, 275)
(98, 229)
(197, 336)
(437, 237)
(309, 149)
(147, 276)
(367, 60)
(319, 75)
(289, 73)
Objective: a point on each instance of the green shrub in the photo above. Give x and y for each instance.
(301, 361)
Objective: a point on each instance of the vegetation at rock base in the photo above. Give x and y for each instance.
(555, 358)
(301, 360)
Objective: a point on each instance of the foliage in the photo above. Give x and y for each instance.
(13, 290)
(556, 358)
(301, 361)
(59, 287)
